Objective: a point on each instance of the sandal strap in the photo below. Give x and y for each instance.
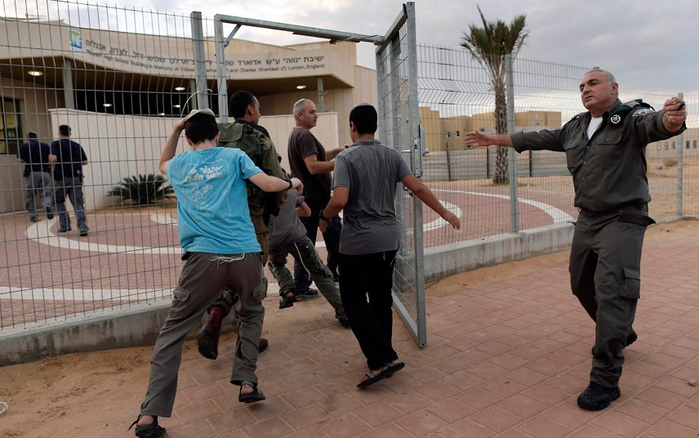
(153, 424)
(135, 423)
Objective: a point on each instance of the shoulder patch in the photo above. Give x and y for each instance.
(641, 111)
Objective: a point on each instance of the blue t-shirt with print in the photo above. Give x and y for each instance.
(212, 204)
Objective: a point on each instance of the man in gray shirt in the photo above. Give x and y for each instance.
(366, 176)
(605, 149)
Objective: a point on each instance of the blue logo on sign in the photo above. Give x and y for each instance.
(76, 41)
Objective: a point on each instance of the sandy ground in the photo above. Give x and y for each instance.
(69, 395)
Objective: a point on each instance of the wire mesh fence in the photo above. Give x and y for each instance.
(456, 96)
(396, 66)
(119, 78)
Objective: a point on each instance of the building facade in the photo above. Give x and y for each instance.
(121, 92)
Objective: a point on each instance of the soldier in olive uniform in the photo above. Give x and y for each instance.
(605, 150)
(245, 134)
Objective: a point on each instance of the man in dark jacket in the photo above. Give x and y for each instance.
(70, 158)
(605, 149)
(37, 172)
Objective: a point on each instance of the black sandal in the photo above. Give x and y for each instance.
(152, 430)
(288, 300)
(251, 397)
(387, 371)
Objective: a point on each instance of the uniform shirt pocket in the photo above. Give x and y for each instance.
(573, 152)
(609, 137)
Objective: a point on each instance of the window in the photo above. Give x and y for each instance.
(694, 144)
(673, 145)
(10, 127)
(687, 144)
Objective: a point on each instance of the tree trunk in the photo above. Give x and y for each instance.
(501, 163)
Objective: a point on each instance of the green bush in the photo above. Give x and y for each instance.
(143, 189)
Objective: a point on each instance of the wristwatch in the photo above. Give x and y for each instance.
(321, 217)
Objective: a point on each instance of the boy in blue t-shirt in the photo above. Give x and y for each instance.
(220, 249)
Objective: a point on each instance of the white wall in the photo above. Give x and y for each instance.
(119, 146)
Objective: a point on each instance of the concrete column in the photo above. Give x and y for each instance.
(68, 88)
(321, 95)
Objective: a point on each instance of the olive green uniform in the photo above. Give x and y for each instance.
(256, 143)
(611, 192)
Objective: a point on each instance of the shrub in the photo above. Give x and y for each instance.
(143, 189)
(670, 162)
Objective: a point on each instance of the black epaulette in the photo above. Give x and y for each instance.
(577, 116)
(635, 107)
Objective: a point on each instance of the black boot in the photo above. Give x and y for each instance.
(596, 397)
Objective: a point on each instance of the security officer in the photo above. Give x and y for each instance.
(605, 150)
(245, 134)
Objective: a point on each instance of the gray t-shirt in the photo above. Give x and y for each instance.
(286, 228)
(371, 171)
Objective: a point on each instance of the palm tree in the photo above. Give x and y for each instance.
(489, 45)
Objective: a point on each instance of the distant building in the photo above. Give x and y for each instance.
(442, 133)
(120, 91)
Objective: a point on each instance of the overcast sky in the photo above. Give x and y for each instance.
(648, 44)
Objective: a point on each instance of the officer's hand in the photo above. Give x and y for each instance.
(477, 139)
(322, 225)
(675, 110)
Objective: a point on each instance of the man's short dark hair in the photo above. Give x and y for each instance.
(239, 103)
(365, 119)
(32, 134)
(64, 130)
(201, 127)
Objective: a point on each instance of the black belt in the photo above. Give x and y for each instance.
(622, 207)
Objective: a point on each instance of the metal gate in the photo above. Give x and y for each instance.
(396, 72)
(396, 60)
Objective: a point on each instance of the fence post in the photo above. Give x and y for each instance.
(199, 59)
(680, 170)
(510, 90)
(221, 70)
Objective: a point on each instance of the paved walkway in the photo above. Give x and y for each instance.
(509, 351)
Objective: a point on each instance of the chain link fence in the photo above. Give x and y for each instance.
(456, 96)
(120, 77)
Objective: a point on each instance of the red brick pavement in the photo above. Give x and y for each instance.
(40, 273)
(507, 357)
